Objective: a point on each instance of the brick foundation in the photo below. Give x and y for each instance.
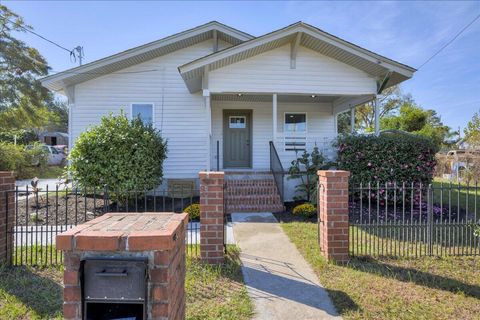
(211, 217)
(159, 237)
(7, 206)
(333, 203)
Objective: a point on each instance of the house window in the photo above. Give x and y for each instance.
(143, 111)
(295, 130)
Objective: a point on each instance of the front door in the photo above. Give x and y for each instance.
(237, 132)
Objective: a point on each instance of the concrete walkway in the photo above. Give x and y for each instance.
(280, 282)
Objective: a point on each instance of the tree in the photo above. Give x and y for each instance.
(472, 131)
(24, 103)
(20, 65)
(412, 118)
(389, 101)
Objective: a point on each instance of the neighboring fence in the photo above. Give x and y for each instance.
(42, 214)
(411, 219)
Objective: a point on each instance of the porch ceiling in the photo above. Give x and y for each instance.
(268, 98)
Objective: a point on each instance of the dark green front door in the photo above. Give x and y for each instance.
(237, 131)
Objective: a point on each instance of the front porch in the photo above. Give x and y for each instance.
(242, 125)
(255, 137)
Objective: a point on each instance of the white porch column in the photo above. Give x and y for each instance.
(274, 118)
(352, 120)
(208, 110)
(377, 116)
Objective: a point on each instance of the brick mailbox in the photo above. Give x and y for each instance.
(125, 266)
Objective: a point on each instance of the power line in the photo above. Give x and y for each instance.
(449, 42)
(38, 35)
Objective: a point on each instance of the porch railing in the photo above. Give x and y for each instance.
(276, 168)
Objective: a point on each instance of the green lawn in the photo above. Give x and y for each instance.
(213, 292)
(458, 195)
(389, 288)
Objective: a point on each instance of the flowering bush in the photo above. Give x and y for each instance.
(387, 158)
(306, 210)
(193, 211)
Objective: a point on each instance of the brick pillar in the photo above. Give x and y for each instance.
(333, 202)
(211, 217)
(7, 205)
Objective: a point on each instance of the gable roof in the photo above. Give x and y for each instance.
(61, 80)
(311, 37)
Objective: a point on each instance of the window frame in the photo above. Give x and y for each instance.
(149, 103)
(294, 134)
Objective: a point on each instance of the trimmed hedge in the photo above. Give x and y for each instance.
(387, 158)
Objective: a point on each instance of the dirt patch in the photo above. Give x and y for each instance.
(77, 209)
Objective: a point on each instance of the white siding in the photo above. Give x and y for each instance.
(182, 118)
(271, 72)
(320, 130)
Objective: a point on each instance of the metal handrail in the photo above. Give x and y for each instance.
(276, 168)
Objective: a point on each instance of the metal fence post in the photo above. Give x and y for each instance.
(430, 219)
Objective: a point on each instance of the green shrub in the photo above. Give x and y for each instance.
(20, 136)
(305, 168)
(17, 158)
(387, 158)
(193, 211)
(118, 153)
(306, 210)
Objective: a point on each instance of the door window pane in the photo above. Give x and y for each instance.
(295, 122)
(144, 112)
(237, 122)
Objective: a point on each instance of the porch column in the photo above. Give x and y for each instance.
(376, 107)
(274, 118)
(208, 110)
(352, 120)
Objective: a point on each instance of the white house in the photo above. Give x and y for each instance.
(220, 95)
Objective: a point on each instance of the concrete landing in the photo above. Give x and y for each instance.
(280, 282)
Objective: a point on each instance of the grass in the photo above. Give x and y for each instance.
(213, 292)
(389, 288)
(30, 293)
(217, 292)
(48, 172)
(458, 194)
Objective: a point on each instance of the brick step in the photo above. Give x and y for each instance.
(253, 198)
(255, 208)
(251, 192)
(251, 183)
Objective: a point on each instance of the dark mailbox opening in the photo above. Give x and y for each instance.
(112, 311)
(114, 289)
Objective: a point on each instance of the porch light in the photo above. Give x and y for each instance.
(240, 94)
(313, 96)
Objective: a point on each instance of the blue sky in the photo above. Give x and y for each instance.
(409, 32)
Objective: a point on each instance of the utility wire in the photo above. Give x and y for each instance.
(450, 42)
(38, 35)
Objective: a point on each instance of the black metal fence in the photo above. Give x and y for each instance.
(411, 219)
(42, 214)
